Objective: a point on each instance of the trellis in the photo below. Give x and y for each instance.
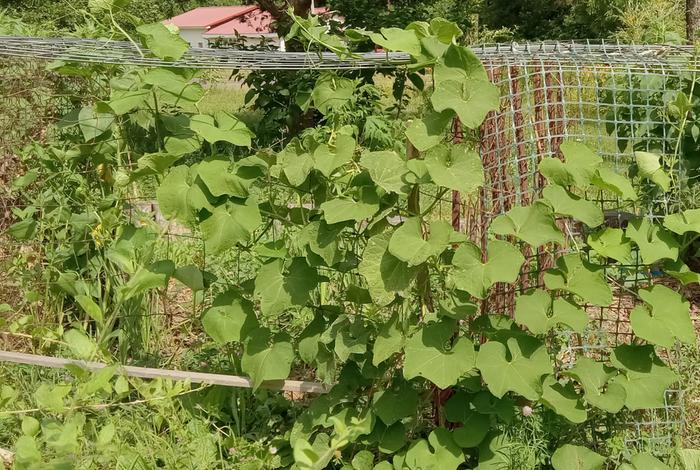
(550, 92)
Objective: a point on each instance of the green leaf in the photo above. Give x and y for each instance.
(363, 460)
(278, 289)
(229, 225)
(162, 42)
(540, 313)
(322, 239)
(683, 222)
(599, 390)
(612, 243)
(655, 242)
(564, 203)
(494, 452)
(665, 318)
(91, 308)
(153, 276)
(645, 379)
(388, 170)
(646, 462)
(230, 322)
(94, 123)
(26, 452)
(390, 340)
(689, 458)
(429, 131)
(408, 245)
(475, 426)
(609, 180)
(445, 454)
(332, 93)
(563, 399)
(174, 88)
(179, 196)
(650, 168)
(575, 275)
(384, 273)
(23, 230)
(534, 224)
(51, 397)
(429, 354)
(222, 178)
(395, 403)
(471, 275)
(226, 128)
(190, 276)
(517, 367)
(578, 169)
(679, 270)
(455, 167)
(472, 100)
(266, 358)
(445, 30)
(80, 344)
(343, 209)
(459, 64)
(327, 161)
(396, 39)
(30, 426)
(125, 101)
(570, 457)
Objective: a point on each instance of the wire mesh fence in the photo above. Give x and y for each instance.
(615, 98)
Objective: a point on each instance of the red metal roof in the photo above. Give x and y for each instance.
(209, 17)
(250, 23)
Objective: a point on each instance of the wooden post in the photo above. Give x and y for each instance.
(692, 19)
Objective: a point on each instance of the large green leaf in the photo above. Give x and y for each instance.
(649, 166)
(540, 313)
(226, 128)
(577, 170)
(396, 39)
(327, 160)
(408, 245)
(445, 454)
(229, 225)
(683, 222)
(665, 318)
(495, 452)
(222, 178)
(612, 243)
(341, 209)
(471, 275)
(655, 242)
(177, 194)
(644, 462)
(332, 93)
(459, 64)
(279, 289)
(564, 203)
(474, 425)
(575, 275)
(429, 131)
(517, 366)
(124, 101)
(322, 239)
(678, 270)
(94, 123)
(153, 276)
(609, 180)
(455, 167)
(162, 42)
(472, 100)
(599, 388)
(266, 357)
(390, 340)
(563, 399)
(533, 224)
(393, 404)
(175, 88)
(384, 273)
(645, 377)
(388, 170)
(231, 319)
(431, 354)
(570, 457)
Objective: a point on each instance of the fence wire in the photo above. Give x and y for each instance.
(615, 98)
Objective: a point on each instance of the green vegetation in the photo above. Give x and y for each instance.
(298, 236)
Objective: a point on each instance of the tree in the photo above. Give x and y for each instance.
(692, 18)
(278, 11)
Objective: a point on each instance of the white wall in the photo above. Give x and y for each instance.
(194, 37)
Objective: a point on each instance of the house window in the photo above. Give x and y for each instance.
(199, 44)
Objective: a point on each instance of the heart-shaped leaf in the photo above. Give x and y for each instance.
(654, 242)
(540, 313)
(575, 275)
(455, 167)
(570, 457)
(471, 275)
(665, 318)
(533, 224)
(599, 390)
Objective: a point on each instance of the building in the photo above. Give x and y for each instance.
(205, 26)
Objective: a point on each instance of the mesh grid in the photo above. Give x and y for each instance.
(609, 96)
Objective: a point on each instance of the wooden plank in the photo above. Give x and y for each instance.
(152, 373)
